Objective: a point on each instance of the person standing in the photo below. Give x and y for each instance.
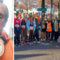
(17, 30)
(53, 35)
(49, 28)
(31, 32)
(28, 27)
(23, 31)
(36, 30)
(56, 29)
(39, 20)
(43, 29)
(6, 45)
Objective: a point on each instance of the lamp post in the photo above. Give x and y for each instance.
(28, 7)
(43, 6)
(51, 8)
(58, 9)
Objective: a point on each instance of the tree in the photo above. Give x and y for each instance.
(26, 4)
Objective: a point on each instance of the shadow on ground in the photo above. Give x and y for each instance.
(28, 56)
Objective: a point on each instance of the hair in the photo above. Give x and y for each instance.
(6, 11)
(1, 1)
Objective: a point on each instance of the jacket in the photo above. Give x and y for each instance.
(8, 55)
(28, 25)
(37, 25)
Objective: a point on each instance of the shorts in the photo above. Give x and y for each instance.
(43, 30)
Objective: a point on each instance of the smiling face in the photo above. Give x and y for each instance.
(2, 16)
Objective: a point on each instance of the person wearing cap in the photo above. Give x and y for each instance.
(43, 29)
(49, 28)
(31, 32)
(56, 29)
(17, 30)
(28, 27)
(6, 45)
(35, 29)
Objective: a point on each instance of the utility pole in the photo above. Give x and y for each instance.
(51, 8)
(58, 9)
(43, 6)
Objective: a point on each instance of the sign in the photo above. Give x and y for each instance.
(40, 9)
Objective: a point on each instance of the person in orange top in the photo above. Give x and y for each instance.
(6, 45)
(38, 20)
(49, 28)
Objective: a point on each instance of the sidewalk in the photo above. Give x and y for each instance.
(42, 51)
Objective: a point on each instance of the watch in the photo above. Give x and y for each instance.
(2, 45)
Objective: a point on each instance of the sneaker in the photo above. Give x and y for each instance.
(22, 43)
(19, 44)
(34, 42)
(51, 41)
(41, 39)
(30, 43)
(16, 44)
(25, 43)
(38, 41)
(44, 39)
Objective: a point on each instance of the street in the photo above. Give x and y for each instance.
(42, 51)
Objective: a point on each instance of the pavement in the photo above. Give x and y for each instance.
(42, 51)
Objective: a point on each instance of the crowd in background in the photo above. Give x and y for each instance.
(32, 29)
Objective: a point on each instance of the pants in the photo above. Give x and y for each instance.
(36, 33)
(52, 35)
(56, 36)
(23, 34)
(39, 33)
(31, 36)
(27, 37)
(48, 35)
(59, 31)
(17, 35)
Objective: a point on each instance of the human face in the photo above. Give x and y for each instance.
(2, 16)
(28, 16)
(34, 16)
(55, 19)
(43, 18)
(16, 16)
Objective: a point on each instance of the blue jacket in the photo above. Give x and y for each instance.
(28, 25)
(35, 21)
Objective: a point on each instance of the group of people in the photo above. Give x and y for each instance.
(27, 30)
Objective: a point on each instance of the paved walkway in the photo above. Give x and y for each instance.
(42, 51)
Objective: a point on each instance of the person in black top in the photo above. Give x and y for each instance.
(23, 31)
(31, 32)
(52, 31)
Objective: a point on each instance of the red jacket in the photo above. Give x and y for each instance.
(16, 21)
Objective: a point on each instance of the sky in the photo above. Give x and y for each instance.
(10, 5)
